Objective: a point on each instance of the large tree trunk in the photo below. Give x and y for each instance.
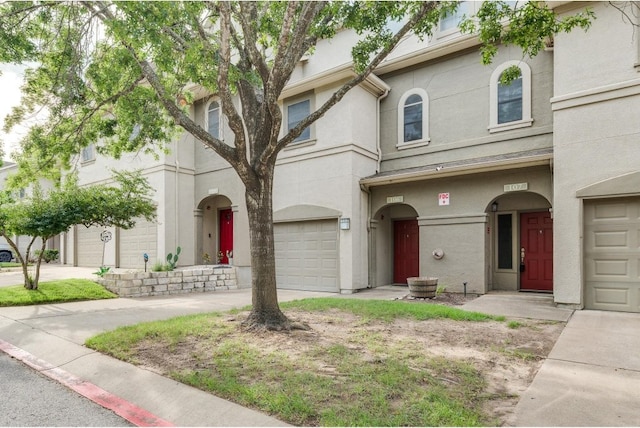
(265, 312)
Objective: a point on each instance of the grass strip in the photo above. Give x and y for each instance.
(389, 310)
(67, 290)
(10, 264)
(351, 381)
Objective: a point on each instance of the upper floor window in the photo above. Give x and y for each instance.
(213, 119)
(510, 105)
(296, 112)
(451, 20)
(413, 118)
(135, 131)
(88, 154)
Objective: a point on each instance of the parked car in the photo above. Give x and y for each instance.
(6, 254)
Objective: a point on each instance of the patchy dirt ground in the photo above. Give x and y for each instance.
(507, 353)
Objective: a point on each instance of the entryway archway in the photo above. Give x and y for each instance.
(215, 230)
(395, 245)
(521, 242)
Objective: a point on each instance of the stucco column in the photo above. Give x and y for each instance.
(373, 227)
(197, 213)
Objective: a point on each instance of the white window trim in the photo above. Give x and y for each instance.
(220, 118)
(285, 120)
(526, 120)
(401, 144)
(92, 152)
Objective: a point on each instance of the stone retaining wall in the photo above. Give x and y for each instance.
(141, 284)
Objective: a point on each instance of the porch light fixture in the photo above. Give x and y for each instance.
(494, 207)
(345, 223)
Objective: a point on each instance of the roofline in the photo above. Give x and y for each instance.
(372, 83)
(436, 50)
(472, 168)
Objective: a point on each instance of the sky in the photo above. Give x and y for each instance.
(10, 83)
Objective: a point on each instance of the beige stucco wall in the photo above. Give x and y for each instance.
(459, 106)
(171, 177)
(459, 229)
(596, 130)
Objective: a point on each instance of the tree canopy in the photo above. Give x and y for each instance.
(123, 74)
(46, 214)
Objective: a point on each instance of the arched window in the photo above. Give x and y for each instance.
(213, 119)
(509, 101)
(510, 104)
(413, 119)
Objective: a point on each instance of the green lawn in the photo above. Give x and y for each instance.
(388, 310)
(68, 290)
(361, 378)
(9, 264)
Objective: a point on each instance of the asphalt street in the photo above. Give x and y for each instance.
(28, 398)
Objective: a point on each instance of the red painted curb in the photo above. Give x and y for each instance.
(121, 407)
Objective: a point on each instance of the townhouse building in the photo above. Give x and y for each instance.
(431, 167)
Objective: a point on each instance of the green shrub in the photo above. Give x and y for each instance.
(102, 270)
(47, 255)
(159, 267)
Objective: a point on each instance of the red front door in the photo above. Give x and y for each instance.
(226, 234)
(406, 255)
(536, 251)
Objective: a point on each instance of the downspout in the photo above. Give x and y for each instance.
(378, 147)
(177, 199)
(367, 190)
(378, 152)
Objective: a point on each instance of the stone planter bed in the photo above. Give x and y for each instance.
(196, 279)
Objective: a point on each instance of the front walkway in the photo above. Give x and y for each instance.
(519, 305)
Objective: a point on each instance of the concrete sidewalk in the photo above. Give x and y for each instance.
(591, 377)
(56, 333)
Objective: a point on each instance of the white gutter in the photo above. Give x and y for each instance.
(345, 71)
(436, 172)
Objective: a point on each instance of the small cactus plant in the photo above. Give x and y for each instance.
(173, 259)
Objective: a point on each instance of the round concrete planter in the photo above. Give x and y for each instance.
(422, 287)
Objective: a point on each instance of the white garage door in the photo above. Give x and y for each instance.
(133, 243)
(612, 254)
(89, 245)
(307, 255)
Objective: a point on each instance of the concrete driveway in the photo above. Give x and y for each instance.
(591, 377)
(48, 272)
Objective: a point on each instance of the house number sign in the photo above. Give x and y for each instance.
(515, 187)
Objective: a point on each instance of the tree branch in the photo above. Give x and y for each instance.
(225, 151)
(224, 91)
(247, 16)
(359, 78)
